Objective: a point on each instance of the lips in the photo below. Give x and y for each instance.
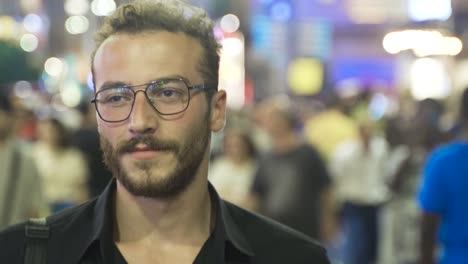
(144, 148)
(144, 152)
(145, 155)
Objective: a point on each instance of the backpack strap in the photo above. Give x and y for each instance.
(37, 233)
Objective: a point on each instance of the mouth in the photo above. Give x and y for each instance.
(144, 152)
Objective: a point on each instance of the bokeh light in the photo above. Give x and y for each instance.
(71, 95)
(422, 43)
(305, 76)
(230, 23)
(77, 25)
(23, 89)
(103, 7)
(8, 27)
(33, 23)
(420, 10)
(76, 7)
(54, 66)
(429, 79)
(29, 42)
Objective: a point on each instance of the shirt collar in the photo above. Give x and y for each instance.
(227, 226)
(226, 229)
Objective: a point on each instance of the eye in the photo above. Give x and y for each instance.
(167, 92)
(115, 97)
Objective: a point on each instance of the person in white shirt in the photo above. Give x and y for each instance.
(360, 173)
(62, 168)
(233, 172)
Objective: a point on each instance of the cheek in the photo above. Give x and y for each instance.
(110, 132)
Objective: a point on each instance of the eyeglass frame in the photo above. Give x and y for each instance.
(129, 87)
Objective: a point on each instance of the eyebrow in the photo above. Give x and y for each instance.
(114, 84)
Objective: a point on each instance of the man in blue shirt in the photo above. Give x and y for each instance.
(443, 197)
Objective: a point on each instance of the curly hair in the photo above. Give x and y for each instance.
(166, 15)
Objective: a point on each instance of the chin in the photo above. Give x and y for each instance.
(154, 182)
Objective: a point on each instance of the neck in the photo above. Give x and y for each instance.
(180, 219)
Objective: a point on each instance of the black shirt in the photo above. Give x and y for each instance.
(289, 186)
(83, 234)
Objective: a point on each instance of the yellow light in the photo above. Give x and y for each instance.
(305, 76)
(8, 27)
(453, 45)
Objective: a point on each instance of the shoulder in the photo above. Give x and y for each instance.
(446, 156)
(68, 222)
(12, 241)
(447, 151)
(273, 242)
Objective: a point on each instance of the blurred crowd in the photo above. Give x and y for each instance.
(328, 167)
(324, 165)
(47, 164)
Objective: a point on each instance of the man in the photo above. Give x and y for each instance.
(360, 170)
(20, 189)
(292, 184)
(160, 207)
(443, 196)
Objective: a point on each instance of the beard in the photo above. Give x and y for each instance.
(189, 155)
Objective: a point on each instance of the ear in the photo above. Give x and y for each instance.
(218, 111)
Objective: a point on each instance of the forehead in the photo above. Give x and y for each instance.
(143, 57)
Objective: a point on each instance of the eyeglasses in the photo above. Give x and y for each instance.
(166, 96)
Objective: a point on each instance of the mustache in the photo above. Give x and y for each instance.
(150, 142)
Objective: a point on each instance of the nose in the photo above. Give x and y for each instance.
(143, 119)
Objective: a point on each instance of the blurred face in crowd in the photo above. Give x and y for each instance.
(276, 122)
(54, 133)
(150, 154)
(235, 146)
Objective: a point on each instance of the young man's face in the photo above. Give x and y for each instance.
(150, 154)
